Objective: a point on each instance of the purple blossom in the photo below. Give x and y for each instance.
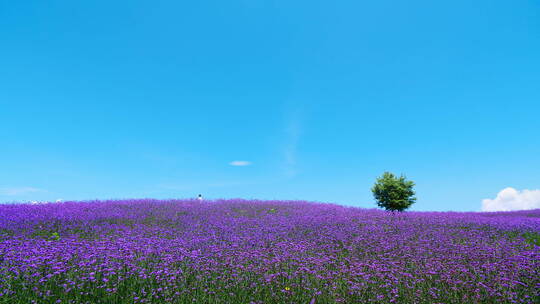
(242, 251)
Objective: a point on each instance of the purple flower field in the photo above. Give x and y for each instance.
(238, 251)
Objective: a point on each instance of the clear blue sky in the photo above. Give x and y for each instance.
(129, 99)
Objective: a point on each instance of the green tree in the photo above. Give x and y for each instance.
(393, 193)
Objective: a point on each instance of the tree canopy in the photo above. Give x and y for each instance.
(393, 193)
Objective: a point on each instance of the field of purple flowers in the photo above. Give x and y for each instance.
(237, 251)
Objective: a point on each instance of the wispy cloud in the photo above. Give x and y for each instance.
(13, 191)
(240, 163)
(510, 199)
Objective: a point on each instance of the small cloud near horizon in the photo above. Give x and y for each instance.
(510, 199)
(240, 163)
(12, 191)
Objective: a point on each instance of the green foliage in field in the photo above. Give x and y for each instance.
(393, 193)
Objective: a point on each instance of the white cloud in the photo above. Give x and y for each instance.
(240, 163)
(511, 199)
(18, 191)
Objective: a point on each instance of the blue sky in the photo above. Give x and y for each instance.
(129, 99)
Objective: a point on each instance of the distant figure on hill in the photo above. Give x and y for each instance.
(200, 198)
